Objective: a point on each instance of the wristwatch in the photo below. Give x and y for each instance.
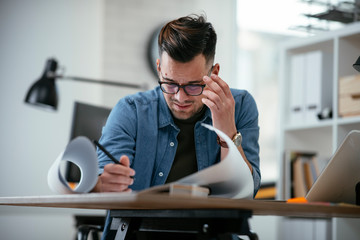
(237, 139)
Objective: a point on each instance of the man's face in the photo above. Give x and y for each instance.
(182, 105)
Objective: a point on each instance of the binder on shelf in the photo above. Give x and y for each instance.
(296, 103)
(318, 85)
(310, 86)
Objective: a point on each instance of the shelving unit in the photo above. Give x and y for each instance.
(340, 50)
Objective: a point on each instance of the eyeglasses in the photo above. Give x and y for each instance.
(189, 89)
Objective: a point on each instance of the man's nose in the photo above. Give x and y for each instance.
(181, 95)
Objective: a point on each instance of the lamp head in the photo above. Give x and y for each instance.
(43, 92)
(356, 65)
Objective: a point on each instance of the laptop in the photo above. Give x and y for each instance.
(338, 180)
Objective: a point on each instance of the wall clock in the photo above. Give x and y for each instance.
(153, 51)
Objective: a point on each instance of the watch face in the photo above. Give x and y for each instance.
(153, 51)
(237, 139)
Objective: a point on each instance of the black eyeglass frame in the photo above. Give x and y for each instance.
(181, 86)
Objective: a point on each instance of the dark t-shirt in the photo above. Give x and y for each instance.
(185, 162)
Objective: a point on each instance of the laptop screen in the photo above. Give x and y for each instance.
(338, 181)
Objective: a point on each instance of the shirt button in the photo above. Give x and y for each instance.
(161, 174)
(172, 144)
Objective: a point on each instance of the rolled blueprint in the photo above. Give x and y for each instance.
(81, 152)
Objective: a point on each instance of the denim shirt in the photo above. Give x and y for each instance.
(142, 127)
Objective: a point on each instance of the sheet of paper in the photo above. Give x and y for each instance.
(230, 178)
(81, 152)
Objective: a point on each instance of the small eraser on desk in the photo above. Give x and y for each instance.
(297, 200)
(190, 190)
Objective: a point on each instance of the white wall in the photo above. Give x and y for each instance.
(30, 33)
(31, 139)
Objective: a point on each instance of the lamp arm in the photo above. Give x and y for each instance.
(105, 82)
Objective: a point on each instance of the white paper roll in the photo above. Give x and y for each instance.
(81, 152)
(230, 178)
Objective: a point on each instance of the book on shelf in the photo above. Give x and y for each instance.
(308, 175)
(306, 171)
(267, 191)
(303, 172)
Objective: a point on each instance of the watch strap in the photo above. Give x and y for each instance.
(223, 143)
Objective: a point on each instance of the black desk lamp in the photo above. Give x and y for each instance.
(356, 65)
(43, 92)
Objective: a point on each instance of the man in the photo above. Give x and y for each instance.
(157, 135)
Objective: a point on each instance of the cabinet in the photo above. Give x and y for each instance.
(307, 79)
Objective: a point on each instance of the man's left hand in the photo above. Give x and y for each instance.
(218, 97)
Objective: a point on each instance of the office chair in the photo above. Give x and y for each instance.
(86, 225)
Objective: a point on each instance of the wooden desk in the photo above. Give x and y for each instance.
(128, 205)
(134, 201)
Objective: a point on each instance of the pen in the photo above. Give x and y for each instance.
(101, 147)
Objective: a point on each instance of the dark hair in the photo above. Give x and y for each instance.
(187, 37)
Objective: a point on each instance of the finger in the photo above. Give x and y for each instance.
(213, 86)
(128, 190)
(120, 179)
(220, 88)
(119, 169)
(219, 98)
(212, 100)
(217, 83)
(213, 96)
(224, 86)
(211, 105)
(109, 179)
(124, 160)
(110, 187)
(213, 93)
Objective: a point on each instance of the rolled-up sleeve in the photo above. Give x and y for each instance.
(246, 117)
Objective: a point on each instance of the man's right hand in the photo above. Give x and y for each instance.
(116, 177)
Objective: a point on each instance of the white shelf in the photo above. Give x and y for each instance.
(348, 120)
(299, 127)
(342, 48)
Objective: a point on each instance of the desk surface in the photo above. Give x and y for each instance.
(133, 201)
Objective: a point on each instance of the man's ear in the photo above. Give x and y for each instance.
(216, 69)
(158, 66)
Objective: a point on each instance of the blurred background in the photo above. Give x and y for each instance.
(110, 40)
